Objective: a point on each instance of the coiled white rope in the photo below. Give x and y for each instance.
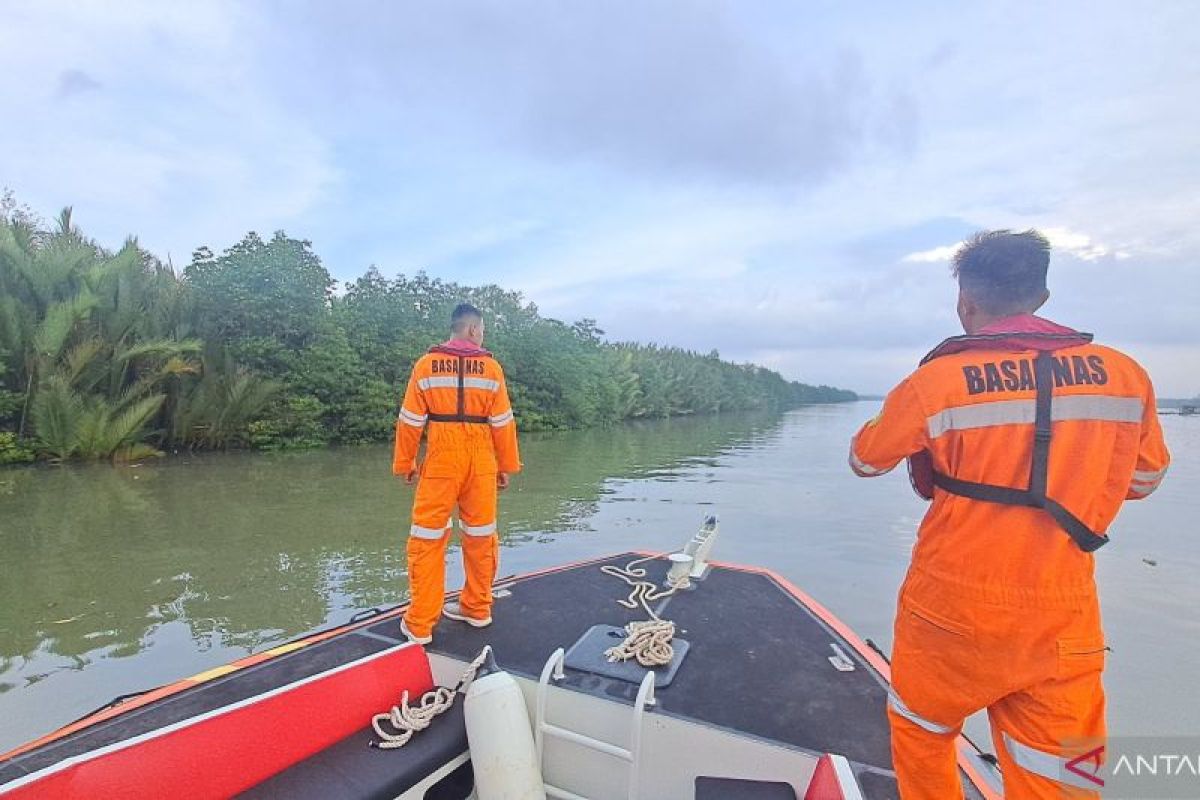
(649, 641)
(408, 720)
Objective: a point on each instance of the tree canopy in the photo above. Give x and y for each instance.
(109, 354)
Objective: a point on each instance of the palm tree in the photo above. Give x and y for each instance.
(215, 410)
(92, 347)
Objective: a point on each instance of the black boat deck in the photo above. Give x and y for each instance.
(751, 640)
(758, 664)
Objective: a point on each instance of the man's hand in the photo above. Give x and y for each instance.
(411, 477)
(502, 480)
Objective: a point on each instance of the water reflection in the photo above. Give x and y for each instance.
(102, 565)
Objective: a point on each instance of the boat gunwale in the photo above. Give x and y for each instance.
(234, 668)
(966, 751)
(197, 719)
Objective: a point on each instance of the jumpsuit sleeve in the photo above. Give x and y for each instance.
(898, 431)
(409, 425)
(1153, 457)
(504, 429)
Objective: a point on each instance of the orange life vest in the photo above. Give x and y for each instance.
(920, 466)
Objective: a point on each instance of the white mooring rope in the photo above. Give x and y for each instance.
(408, 720)
(649, 641)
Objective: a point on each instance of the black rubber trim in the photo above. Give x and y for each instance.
(456, 418)
(116, 701)
(365, 613)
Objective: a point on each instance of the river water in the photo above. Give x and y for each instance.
(115, 579)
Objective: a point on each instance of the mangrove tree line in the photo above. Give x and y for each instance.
(115, 354)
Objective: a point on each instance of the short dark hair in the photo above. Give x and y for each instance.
(463, 315)
(1002, 271)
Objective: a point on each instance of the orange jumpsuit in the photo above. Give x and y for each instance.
(999, 610)
(458, 391)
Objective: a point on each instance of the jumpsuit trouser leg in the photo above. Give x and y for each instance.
(480, 543)
(1035, 666)
(433, 506)
(1048, 736)
(931, 696)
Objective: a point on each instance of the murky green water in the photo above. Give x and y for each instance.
(118, 579)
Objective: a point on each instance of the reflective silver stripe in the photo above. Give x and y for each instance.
(1155, 477)
(420, 532)
(1049, 765)
(1146, 481)
(862, 467)
(1021, 412)
(500, 420)
(438, 383)
(1099, 407)
(479, 530)
(898, 706)
(409, 418)
(451, 382)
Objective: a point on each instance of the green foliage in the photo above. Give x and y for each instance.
(294, 423)
(58, 417)
(217, 410)
(559, 376)
(10, 401)
(369, 414)
(12, 451)
(10, 406)
(114, 355)
(89, 427)
(96, 352)
(274, 290)
(107, 429)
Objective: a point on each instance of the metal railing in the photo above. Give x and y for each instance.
(553, 670)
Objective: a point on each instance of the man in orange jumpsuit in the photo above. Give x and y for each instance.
(1028, 437)
(458, 391)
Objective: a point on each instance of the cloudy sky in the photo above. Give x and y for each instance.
(782, 181)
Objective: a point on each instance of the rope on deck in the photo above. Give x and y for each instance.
(408, 720)
(649, 641)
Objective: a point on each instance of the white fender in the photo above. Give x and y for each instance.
(503, 757)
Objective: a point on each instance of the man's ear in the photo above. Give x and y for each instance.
(1042, 302)
(968, 312)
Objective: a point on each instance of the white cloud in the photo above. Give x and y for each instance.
(172, 134)
(934, 255)
(1079, 245)
(1063, 240)
(611, 166)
